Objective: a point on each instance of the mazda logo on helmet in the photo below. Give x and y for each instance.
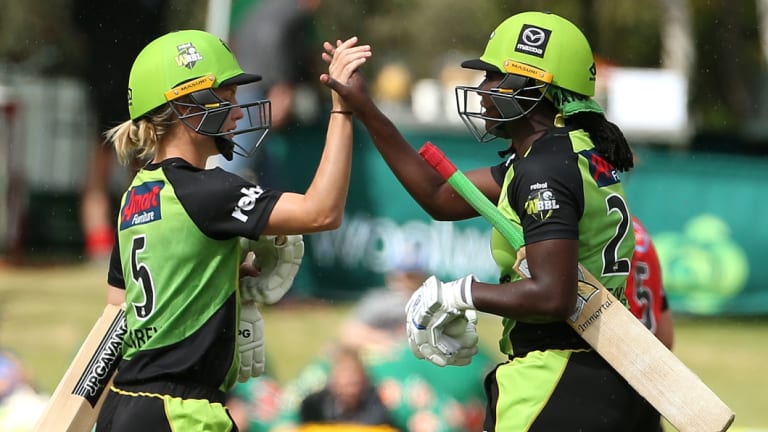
(533, 40)
(534, 36)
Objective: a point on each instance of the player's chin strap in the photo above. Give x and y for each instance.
(206, 113)
(226, 147)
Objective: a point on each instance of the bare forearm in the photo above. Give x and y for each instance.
(115, 296)
(327, 194)
(523, 300)
(665, 328)
(549, 294)
(421, 181)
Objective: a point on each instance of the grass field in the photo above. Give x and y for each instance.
(46, 312)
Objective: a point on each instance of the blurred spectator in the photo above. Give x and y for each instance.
(20, 404)
(419, 396)
(114, 33)
(254, 405)
(276, 38)
(347, 398)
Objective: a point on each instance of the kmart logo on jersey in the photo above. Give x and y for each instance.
(601, 170)
(142, 204)
(247, 202)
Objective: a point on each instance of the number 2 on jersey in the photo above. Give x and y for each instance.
(612, 265)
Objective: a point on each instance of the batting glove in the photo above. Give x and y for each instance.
(464, 331)
(250, 339)
(440, 322)
(278, 258)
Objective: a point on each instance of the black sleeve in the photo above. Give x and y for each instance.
(498, 172)
(546, 192)
(223, 205)
(115, 273)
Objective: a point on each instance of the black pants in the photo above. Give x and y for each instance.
(564, 390)
(155, 407)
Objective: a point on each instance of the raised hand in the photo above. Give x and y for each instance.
(344, 58)
(344, 78)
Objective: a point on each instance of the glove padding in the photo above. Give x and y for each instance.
(279, 258)
(250, 341)
(440, 323)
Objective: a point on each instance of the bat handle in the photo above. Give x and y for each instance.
(437, 159)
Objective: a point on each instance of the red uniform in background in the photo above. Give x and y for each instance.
(645, 291)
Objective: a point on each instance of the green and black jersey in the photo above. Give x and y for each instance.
(178, 257)
(563, 189)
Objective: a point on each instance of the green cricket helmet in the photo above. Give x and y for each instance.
(534, 50)
(182, 69)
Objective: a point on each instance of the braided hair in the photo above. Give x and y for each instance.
(585, 113)
(607, 137)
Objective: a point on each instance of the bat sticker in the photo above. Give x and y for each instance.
(102, 365)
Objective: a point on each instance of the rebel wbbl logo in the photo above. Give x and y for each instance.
(188, 55)
(533, 40)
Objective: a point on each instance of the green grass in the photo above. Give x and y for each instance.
(45, 313)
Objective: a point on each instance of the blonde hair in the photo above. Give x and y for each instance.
(140, 138)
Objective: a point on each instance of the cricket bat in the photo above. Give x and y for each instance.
(613, 332)
(76, 402)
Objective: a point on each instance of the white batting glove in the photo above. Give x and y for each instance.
(279, 258)
(250, 340)
(464, 331)
(440, 322)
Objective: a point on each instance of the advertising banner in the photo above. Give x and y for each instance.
(704, 212)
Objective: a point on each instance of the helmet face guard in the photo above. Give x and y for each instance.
(514, 97)
(182, 69)
(205, 113)
(546, 49)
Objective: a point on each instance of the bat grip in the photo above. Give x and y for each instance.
(437, 159)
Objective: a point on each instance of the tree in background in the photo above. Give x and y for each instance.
(719, 42)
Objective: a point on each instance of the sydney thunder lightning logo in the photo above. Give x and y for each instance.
(188, 55)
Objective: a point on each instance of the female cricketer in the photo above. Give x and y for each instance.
(560, 181)
(177, 258)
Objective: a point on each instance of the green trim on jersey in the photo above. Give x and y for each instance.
(505, 256)
(603, 224)
(503, 253)
(197, 415)
(166, 304)
(525, 387)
